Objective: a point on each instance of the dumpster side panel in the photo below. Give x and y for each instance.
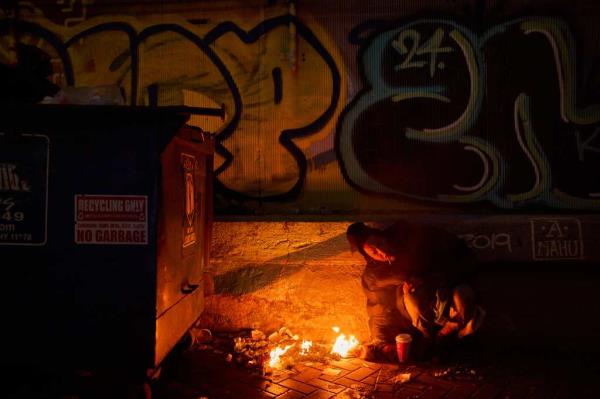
(182, 231)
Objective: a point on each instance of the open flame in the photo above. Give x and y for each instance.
(305, 347)
(279, 356)
(275, 355)
(343, 345)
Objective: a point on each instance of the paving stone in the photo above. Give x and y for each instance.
(384, 395)
(327, 385)
(363, 363)
(298, 386)
(433, 381)
(212, 391)
(415, 384)
(370, 380)
(433, 393)
(280, 376)
(407, 393)
(200, 374)
(348, 393)
(487, 391)
(326, 377)
(360, 373)
(347, 382)
(384, 388)
(290, 395)
(371, 365)
(300, 367)
(388, 375)
(308, 374)
(234, 390)
(318, 365)
(275, 389)
(345, 364)
(461, 390)
(320, 394)
(516, 391)
(252, 379)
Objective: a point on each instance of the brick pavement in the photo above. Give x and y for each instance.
(204, 374)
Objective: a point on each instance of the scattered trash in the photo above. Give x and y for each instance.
(274, 337)
(350, 394)
(457, 373)
(255, 350)
(441, 373)
(97, 95)
(402, 378)
(357, 393)
(200, 336)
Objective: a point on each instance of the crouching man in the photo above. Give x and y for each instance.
(416, 281)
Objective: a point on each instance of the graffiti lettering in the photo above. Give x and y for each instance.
(491, 241)
(584, 145)
(553, 249)
(431, 47)
(222, 67)
(463, 119)
(556, 239)
(447, 114)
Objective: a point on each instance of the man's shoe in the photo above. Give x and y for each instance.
(379, 352)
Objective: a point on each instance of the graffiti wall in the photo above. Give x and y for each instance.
(349, 107)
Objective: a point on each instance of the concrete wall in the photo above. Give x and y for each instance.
(295, 274)
(302, 275)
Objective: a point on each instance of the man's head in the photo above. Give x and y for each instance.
(379, 248)
(369, 242)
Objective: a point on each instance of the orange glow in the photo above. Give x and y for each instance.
(305, 347)
(344, 345)
(275, 355)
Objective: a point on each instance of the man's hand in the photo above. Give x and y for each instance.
(411, 286)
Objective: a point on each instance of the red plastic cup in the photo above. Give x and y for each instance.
(403, 342)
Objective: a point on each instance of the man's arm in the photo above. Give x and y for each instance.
(373, 280)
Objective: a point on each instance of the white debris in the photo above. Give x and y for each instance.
(402, 378)
(258, 335)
